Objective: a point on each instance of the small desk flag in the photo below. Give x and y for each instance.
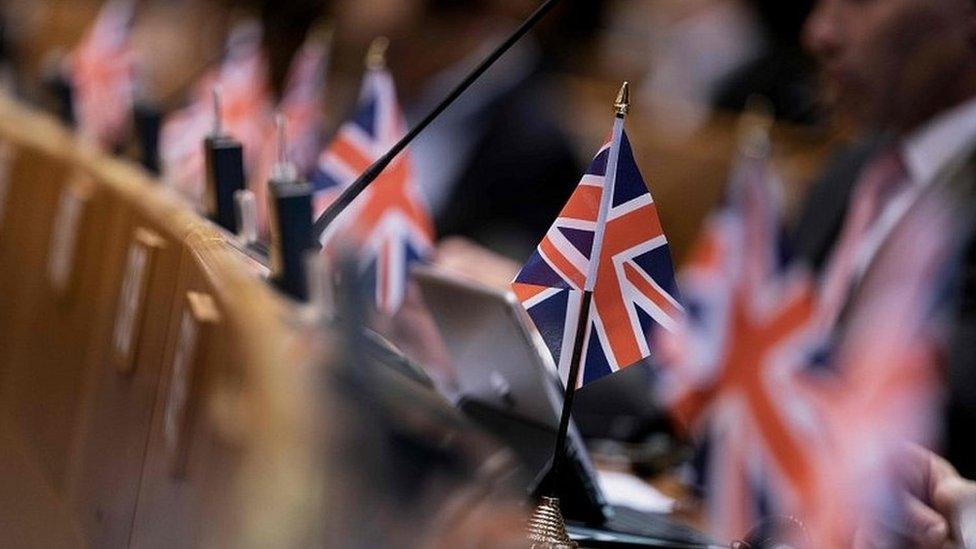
(303, 101)
(622, 258)
(802, 418)
(302, 106)
(388, 224)
(751, 324)
(247, 113)
(102, 72)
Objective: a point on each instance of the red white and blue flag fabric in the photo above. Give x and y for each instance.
(302, 107)
(388, 225)
(246, 106)
(801, 418)
(608, 240)
(750, 327)
(102, 73)
(736, 280)
(303, 102)
(885, 396)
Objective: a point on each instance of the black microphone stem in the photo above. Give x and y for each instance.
(371, 173)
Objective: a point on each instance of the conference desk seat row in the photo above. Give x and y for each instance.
(137, 354)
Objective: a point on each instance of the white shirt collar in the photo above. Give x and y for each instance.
(935, 144)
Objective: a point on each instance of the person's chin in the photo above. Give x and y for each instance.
(855, 108)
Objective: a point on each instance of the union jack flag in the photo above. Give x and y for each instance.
(102, 72)
(388, 224)
(247, 111)
(729, 375)
(622, 258)
(802, 418)
(302, 103)
(884, 395)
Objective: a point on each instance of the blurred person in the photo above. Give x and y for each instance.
(37, 31)
(904, 73)
(8, 56)
(497, 166)
(695, 46)
(175, 54)
(712, 55)
(178, 53)
(286, 26)
(780, 70)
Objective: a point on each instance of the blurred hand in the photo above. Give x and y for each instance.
(467, 258)
(940, 500)
(940, 506)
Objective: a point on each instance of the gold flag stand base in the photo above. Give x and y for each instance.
(547, 529)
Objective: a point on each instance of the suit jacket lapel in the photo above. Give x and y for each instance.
(826, 206)
(956, 181)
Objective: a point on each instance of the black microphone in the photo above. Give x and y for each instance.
(61, 91)
(371, 173)
(224, 157)
(147, 121)
(291, 224)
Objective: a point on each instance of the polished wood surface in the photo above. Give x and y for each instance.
(87, 456)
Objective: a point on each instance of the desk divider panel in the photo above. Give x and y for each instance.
(48, 376)
(33, 513)
(177, 476)
(123, 378)
(31, 195)
(134, 350)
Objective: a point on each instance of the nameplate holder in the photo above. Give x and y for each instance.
(133, 296)
(71, 208)
(197, 326)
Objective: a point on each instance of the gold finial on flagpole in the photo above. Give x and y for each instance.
(755, 125)
(376, 57)
(622, 105)
(547, 529)
(324, 31)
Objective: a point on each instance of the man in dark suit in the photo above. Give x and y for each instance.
(497, 166)
(904, 73)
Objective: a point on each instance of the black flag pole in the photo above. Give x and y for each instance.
(559, 450)
(371, 173)
(621, 107)
(546, 525)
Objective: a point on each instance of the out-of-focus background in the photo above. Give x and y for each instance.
(530, 126)
(391, 459)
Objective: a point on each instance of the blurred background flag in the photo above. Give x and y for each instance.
(388, 225)
(884, 396)
(247, 113)
(302, 102)
(102, 72)
(751, 325)
(801, 417)
(377, 124)
(302, 105)
(632, 280)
